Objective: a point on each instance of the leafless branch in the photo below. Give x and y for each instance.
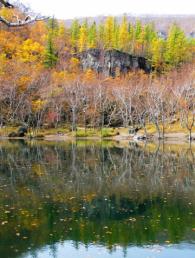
(19, 23)
(6, 4)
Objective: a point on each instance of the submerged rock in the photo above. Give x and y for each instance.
(109, 62)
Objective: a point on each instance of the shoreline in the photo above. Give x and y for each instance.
(169, 137)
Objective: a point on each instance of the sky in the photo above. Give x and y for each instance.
(66, 9)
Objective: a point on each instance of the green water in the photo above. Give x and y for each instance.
(96, 199)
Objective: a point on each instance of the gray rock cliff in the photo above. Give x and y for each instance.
(109, 61)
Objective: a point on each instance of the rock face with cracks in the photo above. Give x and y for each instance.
(111, 62)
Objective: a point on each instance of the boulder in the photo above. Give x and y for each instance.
(109, 62)
(22, 131)
(12, 135)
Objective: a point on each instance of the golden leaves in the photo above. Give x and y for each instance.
(38, 104)
(30, 51)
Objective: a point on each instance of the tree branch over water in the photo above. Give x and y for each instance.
(19, 23)
(6, 4)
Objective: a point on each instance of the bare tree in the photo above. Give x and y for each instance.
(73, 94)
(157, 95)
(188, 108)
(184, 98)
(127, 96)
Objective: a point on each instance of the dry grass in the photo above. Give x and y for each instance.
(169, 128)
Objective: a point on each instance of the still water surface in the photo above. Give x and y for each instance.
(96, 199)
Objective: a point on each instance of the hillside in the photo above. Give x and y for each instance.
(162, 22)
(114, 73)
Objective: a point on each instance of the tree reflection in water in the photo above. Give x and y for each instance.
(94, 193)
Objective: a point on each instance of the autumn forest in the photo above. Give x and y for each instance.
(42, 82)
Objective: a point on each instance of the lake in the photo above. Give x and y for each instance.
(90, 199)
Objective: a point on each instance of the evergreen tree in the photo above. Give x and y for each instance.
(92, 36)
(100, 36)
(61, 30)
(138, 30)
(148, 36)
(176, 47)
(124, 35)
(109, 32)
(74, 30)
(115, 36)
(138, 38)
(157, 54)
(82, 42)
(131, 31)
(63, 39)
(50, 52)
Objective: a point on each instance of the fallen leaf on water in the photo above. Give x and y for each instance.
(4, 222)
(34, 224)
